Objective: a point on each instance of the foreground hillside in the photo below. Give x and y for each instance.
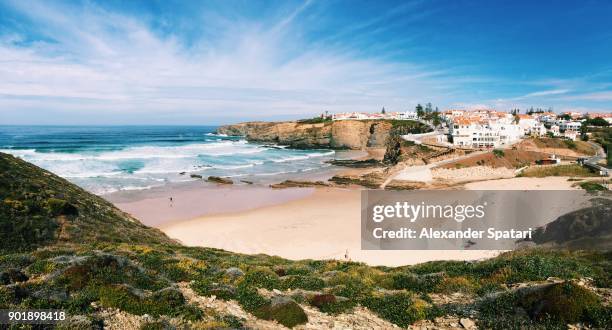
(64, 248)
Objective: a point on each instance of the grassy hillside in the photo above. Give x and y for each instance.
(580, 147)
(64, 248)
(38, 208)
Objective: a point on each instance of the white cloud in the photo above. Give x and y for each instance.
(546, 93)
(597, 96)
(113, 63)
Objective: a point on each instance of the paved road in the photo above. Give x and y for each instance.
(422, 173)
(593, 161)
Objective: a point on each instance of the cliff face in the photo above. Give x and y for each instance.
(346, 134)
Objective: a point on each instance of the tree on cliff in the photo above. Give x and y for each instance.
(393, 151)
(419, 110)
(383, 111)
(435, 118)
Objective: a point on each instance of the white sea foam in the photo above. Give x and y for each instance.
(144, 167)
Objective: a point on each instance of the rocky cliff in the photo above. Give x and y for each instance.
(346, 134)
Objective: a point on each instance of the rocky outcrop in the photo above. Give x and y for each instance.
(219, 180)
(586, 228)
(371, 180)
(345, 134)
(298, 184)
(354, 163)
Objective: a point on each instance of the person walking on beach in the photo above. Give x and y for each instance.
(171, 201)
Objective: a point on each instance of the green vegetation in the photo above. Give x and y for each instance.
(403, 127)
(603, 137)
(572, 170)
(547, 306)
(578, 146)
(596, 122)
(38, 208)
(401, 308)
(394, 141)
(315, 120)
(393, 150)
(96, 257)
(498, 153)
(592, 186)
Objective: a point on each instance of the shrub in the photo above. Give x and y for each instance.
(58, 206)
(401, 308)
(163, 302)
(328, 303)
(565, 302)
(249, 298)
(205, 287)
(393, 149)
(570, 144)
(315, 120)
(549, 306)
(455, 284)
(298, 270)
(592, 186)
(353, 288)
(417, 283)
(283, 310)
(498, 153)
(231, 321)
(301, 282)
(262, 278)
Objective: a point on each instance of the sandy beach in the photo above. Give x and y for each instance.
(296, 223)
(524, 183)
(323, 225)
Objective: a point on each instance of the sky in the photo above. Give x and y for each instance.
(213, 62)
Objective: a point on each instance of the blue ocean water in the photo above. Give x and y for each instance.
(104, 159)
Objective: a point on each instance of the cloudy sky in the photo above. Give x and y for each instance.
(210, 62)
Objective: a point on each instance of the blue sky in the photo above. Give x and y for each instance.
(210, 62)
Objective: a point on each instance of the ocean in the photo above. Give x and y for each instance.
(105, 159)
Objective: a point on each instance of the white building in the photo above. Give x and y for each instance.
(408, 115)
(482, 133)
(569, 125)
(374, 115)
(546, 117)
(572, 135)
(528, 124)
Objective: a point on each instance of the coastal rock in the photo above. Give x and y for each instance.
(586, 228)
(196, 176)
(283, 310)
(467, 323)
(353, 163)
(234, 272)
(345, 134)
(11, 276)
(371, 180)
(246, 181)
(220, 180)
(404, 185)
(298, 184)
